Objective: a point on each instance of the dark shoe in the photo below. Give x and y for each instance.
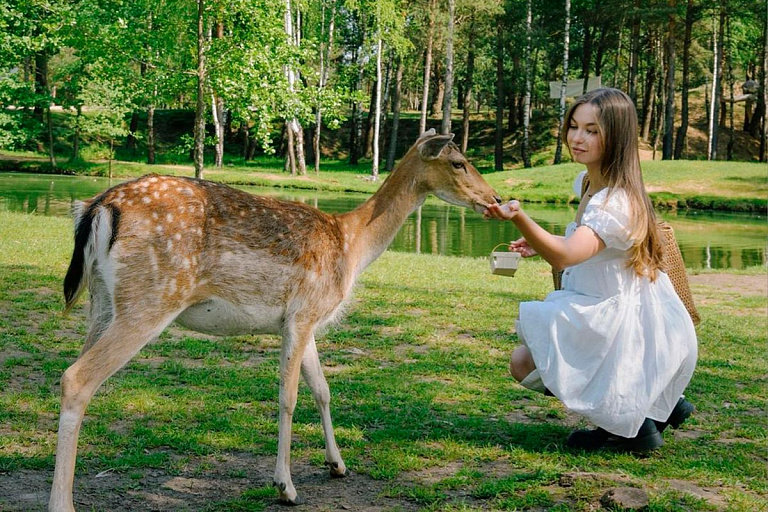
(588, 440)
(680, 413)
(648, 438)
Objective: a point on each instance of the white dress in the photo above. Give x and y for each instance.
(611, 345)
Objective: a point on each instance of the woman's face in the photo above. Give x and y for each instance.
(584, 138)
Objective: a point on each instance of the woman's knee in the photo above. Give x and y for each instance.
(521, 363)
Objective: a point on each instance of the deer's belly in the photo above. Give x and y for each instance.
(220, 317)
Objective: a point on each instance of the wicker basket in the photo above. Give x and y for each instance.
(674, 266)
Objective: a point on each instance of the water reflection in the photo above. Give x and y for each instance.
(707, 239)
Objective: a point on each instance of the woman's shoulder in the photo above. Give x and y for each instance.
(615, 199)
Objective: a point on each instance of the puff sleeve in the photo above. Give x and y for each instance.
(609, 218)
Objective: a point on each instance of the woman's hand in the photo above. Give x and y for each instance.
(506, 211)
(521, 245)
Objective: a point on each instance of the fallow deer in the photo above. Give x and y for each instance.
(221, 261)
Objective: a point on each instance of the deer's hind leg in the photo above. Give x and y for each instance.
(118, 343)
(313, 375)
(100, 311)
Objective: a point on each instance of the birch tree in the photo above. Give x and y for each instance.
(526, 154)
(445, 127)
(326, 48)
(199, 144)
(427, 67)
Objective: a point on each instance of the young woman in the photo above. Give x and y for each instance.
(616, 344)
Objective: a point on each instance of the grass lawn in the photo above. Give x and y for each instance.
(426, 416)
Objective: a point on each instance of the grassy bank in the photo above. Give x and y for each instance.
(427, 417)
(723, 186)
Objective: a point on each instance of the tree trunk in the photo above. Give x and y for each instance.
(301, 159)
(133, 126)
(76, 135)
(218, 111)
(526, 153)
(764, 134)
(377, 109)
(659, 107)
(634, 50)
(396, 101)
(716, 85)
(290, 150)
(200, 107)
(586, 58)
(445, 127)
(682, 131)
(151, 135)
(325, 62)
(356, 132)
(49, 129)
(498, 156)
(369, 122)
(649, 96)
(427, 68)
(564, 83)
(468, 85)
(437, 99)
(669, 110)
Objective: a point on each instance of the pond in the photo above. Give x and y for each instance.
(707, 239)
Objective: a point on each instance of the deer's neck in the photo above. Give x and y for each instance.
(370, 228)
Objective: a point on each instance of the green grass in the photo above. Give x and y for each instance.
(422, 401)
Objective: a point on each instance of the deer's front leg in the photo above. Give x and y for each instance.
(291, 354)
(313, 375)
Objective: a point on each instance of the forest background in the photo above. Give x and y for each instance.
(223, 81)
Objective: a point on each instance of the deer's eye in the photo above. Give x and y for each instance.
(457, 165)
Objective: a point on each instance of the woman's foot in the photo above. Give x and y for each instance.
(588, 440)
(680, 413)
(648, 438)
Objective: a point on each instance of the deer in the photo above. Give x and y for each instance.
(221, 261)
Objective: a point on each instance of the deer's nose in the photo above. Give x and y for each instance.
(497, 199)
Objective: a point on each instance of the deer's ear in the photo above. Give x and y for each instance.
(432, 147)
(428, 133)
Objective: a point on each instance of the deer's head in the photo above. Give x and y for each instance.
(450, 176)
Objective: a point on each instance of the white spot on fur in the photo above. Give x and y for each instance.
(169, 217)
(146, 199)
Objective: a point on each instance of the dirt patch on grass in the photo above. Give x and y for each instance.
(209, 483)
(743, 285)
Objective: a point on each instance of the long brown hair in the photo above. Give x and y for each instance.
(620, 168)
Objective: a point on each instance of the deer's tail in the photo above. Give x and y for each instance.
(95, 225)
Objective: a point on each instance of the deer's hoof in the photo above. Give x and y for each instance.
(337, 472)
(284, 498)
(295, 502)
